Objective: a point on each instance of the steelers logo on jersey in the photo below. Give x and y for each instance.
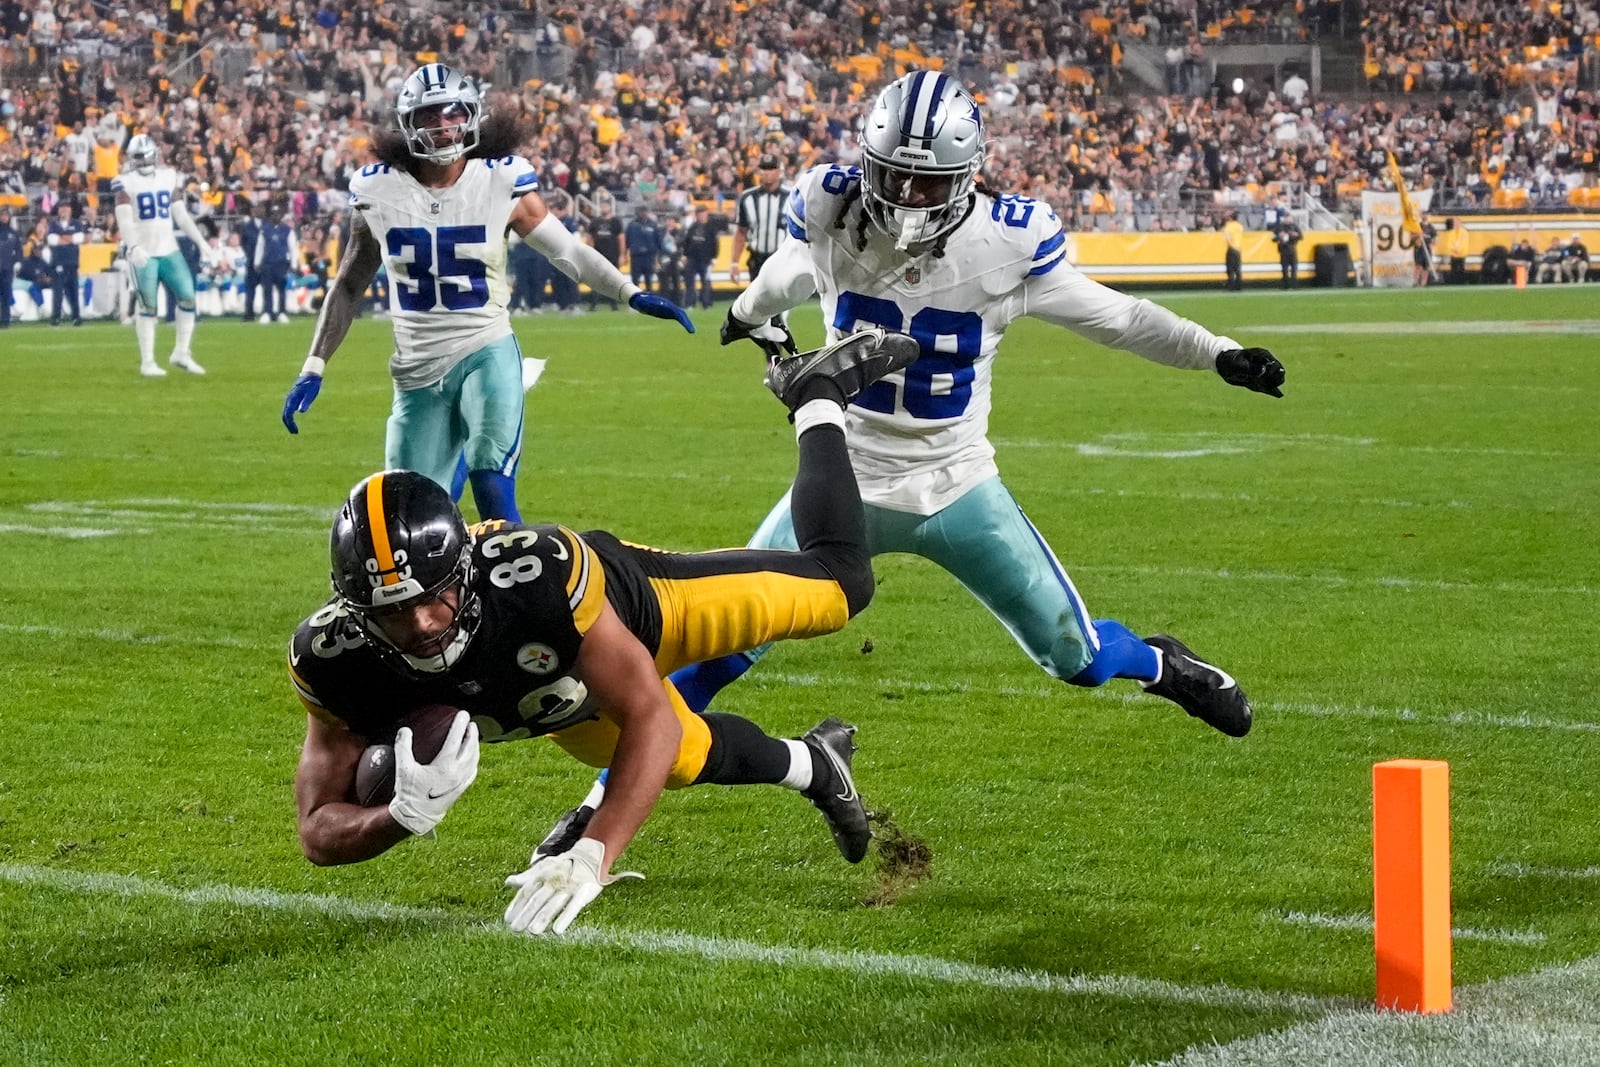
(536, 658)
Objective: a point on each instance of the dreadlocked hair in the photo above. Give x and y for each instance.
(854, 194)
(500, 134)
(850, 199)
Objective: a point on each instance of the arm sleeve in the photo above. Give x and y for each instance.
(124, 214)
(577, 260)
(1067, 298)
(785, 282)
(181, 219)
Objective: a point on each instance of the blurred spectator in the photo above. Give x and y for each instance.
(699, 245)
(606, 235)
(275, 253)
(10, 257)
(643, 241)
(669, 263)
(63, 240)
(1576, 266)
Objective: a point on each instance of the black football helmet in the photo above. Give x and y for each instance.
(398, 543)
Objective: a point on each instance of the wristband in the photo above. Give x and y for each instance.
(314, 365)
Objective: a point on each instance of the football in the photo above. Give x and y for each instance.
(375, 771)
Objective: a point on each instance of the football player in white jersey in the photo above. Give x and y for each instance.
(150, 203)
(435, 211)
(912, 241)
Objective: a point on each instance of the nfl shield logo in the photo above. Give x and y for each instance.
(913, 274)
(434, 207)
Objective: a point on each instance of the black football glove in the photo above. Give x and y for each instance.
(773, 336)
(1255, 369)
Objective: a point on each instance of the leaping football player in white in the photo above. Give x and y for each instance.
(913, 241)
(436, 210)
(150, 203)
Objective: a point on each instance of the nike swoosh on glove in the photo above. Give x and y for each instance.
(423, 792)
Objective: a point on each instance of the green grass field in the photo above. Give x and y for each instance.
(1397, 560)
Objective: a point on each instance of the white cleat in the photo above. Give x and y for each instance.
(184, 361)
(152, 370)
(264, 319)
(531, 371)
(283, 316)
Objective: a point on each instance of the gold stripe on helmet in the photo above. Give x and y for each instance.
(382, 553)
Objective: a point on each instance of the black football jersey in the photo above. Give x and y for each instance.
(539, 588)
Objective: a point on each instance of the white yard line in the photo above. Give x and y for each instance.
(1364, 922)
(1132, 698)
(716, 949)
(129, 637)
(1507, 869)
(1335, 580)
(73, 532)
(1549, 1018)
(1440, 326)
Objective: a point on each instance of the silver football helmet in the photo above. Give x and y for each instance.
(921, 149)
(440, 110)
(142, 153)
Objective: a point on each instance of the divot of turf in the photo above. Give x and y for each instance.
(904, 861)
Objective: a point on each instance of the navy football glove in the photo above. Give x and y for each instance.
(773, 336)
(661, 308)
(301, 394)
(1255, 369)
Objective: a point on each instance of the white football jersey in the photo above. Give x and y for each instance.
(445, 251)
(919, 437)
(152, 196)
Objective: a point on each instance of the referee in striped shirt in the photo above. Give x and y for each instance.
(758, 221)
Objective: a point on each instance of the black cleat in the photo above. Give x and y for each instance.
(566, 832)
(852, 363)
(1204, 690)
(834, 793)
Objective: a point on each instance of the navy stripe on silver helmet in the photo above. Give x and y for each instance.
(922, 147)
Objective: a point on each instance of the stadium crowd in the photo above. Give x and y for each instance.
(267, 107)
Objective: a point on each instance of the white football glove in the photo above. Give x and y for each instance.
(423, 792)
(558, 887)
(137, 258)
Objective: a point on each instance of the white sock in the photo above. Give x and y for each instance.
(799, 776)
(819, 412)
(185, 323)
(1161, 669)
(144, 327)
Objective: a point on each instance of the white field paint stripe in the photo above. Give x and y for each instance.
(140, 525)
(1441, 326)
(1550, 1017)
(1521, 508)
(1097, 448)
(1379, 582)
(1131, 698)
(1506, 869)
(920, 968)
(1364, 922)
(93, 510)
(73, 532)
(313, 511)
(128, 637)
